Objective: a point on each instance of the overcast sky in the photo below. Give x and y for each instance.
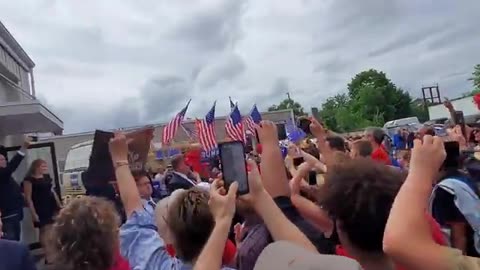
(117, 63)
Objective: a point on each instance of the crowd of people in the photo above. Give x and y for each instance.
(331, 203)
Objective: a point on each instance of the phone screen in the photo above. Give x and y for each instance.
(298, 161)
(304, 124)
(234, 168)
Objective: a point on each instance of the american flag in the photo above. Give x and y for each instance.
(234, 127)
(192, 134)
(170, 130)
(251, 120)
(206, 130)
(232, 105)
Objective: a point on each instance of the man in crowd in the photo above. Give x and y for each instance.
(336, 143)
(361, 148)
(11, 198)
(145, 189)
(178, 178)
(376, 136)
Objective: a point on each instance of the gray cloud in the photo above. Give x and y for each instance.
(119, 63)
(215, 28)
(224, 68)
(163, 97)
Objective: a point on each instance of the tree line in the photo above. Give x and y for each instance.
(371, 99)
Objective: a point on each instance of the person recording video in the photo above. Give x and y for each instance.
(11, 198)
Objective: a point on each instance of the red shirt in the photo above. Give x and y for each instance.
(437, 236)
(120, 263)
(381, 155)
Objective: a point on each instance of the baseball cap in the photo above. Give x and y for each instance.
(283, 255)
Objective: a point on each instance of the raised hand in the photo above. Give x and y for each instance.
(255, 185)
(448, 104)
(119, 147)
(297, 181)
(26, 143)
(427, 157)
(317, 129)
(221, 202)
(267, 133)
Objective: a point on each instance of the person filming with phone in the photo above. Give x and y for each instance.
(11, 198)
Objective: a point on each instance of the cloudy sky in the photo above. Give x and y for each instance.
(116, 63)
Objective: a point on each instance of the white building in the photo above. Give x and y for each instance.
(21, 113)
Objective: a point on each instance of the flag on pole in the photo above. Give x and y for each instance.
(206, 130)
(192, 134)
(254, 118)
(170, 130)
(233, 126)
(294, 134)
(232, 105)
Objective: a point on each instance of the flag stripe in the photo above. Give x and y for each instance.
(206, 130)
(234, 127)
(170, 130)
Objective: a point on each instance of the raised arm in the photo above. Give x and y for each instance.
(314, 162)
(12, 166)
(276, 222)
(320, 134)
(126, 184)
(308, 209)
(407, 239)
(273, 175)
(222, 206)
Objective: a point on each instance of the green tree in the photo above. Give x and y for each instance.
(371, 92)
(289, 104)
(371, 99)
(420, 111)
(476, 78)
(329, 109)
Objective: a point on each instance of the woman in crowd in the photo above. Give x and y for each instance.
(84, 236)
(188, 218)
(291, 249)
(411, 245)
(40, 196)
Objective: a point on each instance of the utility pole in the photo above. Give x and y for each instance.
(288, 96)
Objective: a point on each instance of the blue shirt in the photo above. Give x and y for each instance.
(143, 247)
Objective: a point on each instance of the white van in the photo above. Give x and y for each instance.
(76, 163)
(408, 121)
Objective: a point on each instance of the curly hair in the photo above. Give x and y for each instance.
(358, 194)
(84, 235)
(191, 223)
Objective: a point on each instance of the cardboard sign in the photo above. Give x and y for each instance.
(101, 171)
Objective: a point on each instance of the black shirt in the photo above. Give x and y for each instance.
(11, 198)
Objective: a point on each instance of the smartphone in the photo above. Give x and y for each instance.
(460, 120)
(298, 161)
(303, 123)
(234, 167)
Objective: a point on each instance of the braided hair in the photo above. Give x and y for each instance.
(191, 223)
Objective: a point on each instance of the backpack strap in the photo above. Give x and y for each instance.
(467, 202)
